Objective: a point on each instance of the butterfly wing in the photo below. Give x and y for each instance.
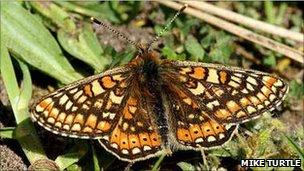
(227, 94)
(204, 100)
(104, 106)
(190, 124)
(135, 137)
(88, 108)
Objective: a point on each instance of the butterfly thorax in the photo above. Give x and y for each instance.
(146, 65)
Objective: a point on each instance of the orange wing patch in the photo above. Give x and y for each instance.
(130, 146)
(206, 134)
(107, 82)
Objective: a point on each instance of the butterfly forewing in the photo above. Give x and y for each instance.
(227, 94)
(88, 108)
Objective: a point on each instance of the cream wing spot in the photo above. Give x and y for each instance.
(63, 99)
(278, 83)
(236, 79)
(272, 97)
(39, 108)
(185, 70)
(199, 140)
(51, 120)
(115, 99)
(96, 88)
(74, 108)
(73, 90)
(251, 109)
(252, 80)
(68, 105)
(233, 84)
(211, 138)
(66, 127)
(212, 76)
(78, 94)
(249, 87)
(198, 90)
(112, 116)
(221, 136)
(147, 148)
(136, 150)
(76, 127)
(114, 145)
(105, 114)
(124, 151)
(82, 99)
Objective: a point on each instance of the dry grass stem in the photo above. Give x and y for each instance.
(241, 32)
(247, 21)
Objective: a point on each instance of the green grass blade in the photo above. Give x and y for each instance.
(10, 82)
(19, 98)
(19, 33)
(296, 147)
(156, 166)
(7, 132)
(95, 160)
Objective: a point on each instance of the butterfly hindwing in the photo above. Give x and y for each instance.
(190, 124)
(135, 137)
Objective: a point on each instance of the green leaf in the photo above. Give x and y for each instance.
(19, 30)
(169, 53)
(222, 49)
(85, 47)
(296, 89)
(56, 14)
(92, 10)
(194, 48)
(74, 167)
(7, 132)
(207, 41)
(270, 60)
(28, 139)
(185, 166)
(72, 156)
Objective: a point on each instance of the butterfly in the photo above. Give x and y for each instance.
(152, 106)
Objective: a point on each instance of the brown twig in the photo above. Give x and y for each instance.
(241, 32)
(247, 21)
(241, 51)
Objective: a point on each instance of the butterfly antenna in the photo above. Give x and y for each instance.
(167, 26)
(117, 33)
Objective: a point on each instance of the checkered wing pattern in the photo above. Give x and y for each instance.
(216, 95)
(135, 137)
(191, 124)
(107, 107)
(88, 108)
